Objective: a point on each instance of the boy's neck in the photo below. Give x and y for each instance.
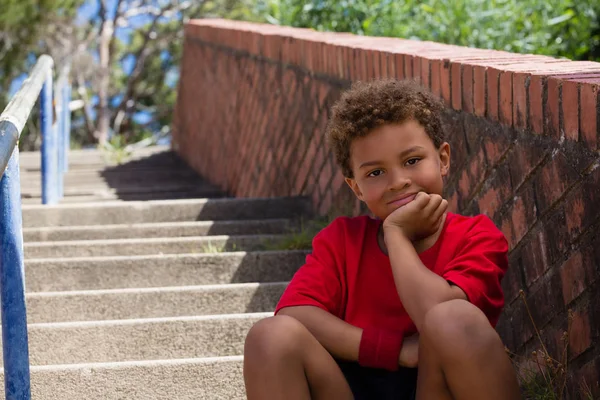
(420, 245)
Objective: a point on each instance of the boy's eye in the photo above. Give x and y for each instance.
(377, 172)
(413, 161)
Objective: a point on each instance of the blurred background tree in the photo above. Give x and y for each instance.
(125, 54)
(561, 28)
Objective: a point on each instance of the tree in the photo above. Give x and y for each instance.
(152, 49)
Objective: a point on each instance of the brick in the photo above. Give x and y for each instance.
(408, 66)
(496, 148)
(506, 98)
(425, 73)
(519, 100)
(570, 109)
(456, 76)
(536, 107)
(521, 323)
(552, 181)
(546, 301)
(535, 258)
(582, 205)
(324, 176)
(479, 90)
(391, 60)
(588, 377)
(383, 64)
(436, 88)
(589, 115)
(326, 203)
(416, 68)
(456, 137)
(511, 283)
(523, 159)
(497, 193)
(445, 81)
(557, 239)
(376, 64)
(493, 89)
(551, 109)
(453, 203)
(576, 274)
(400, 68)
(467, 88)
(521, 216)
(580, 337)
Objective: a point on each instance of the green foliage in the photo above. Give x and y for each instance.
(563, 28)
(22, 22)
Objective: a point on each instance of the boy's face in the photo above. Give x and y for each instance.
(394, 161)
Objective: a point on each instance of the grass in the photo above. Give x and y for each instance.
(543, 376)
(301, 238)
(211, 247)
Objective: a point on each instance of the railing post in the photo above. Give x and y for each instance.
(60, 138)
(49, 161)
(12, 282)
(67, 124)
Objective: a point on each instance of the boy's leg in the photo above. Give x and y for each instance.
(461, 357)
(283, 360)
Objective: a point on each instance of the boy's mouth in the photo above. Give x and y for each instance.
(399, 202)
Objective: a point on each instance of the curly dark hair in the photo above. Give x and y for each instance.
(367, 105)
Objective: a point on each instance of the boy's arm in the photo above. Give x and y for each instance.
(419, 288)
(474, 274)
(338, 337)
(341, 339)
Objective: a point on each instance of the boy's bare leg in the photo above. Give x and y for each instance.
(461, 357)
(283, 360)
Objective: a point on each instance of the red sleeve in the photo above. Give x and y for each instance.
(479, 266)
(319, 281)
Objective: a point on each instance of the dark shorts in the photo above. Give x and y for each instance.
(379, 384)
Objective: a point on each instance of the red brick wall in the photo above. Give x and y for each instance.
(251, 113)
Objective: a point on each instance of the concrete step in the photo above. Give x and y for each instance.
(116, 173)
(145, 185)
(214, 378)
(97, 305)
(95, 273)
(159, 195)
(131, 192)
(111, 213)
(155, 230)
(140, 339)
(150, 246)
(150, 155)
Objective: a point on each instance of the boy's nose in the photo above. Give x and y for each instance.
(398, 181)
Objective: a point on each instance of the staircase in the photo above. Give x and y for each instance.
(144, 281)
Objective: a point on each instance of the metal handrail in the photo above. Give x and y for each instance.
(12, 269)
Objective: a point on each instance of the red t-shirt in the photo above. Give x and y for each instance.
(348, 275)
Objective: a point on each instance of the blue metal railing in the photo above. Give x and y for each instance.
(12, 270)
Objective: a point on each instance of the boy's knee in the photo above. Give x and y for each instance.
(458, 327)
(274, 336)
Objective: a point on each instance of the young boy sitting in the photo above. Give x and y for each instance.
(378, 297)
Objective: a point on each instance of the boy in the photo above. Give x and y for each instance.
(416, 286)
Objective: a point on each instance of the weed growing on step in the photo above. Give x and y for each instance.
(300, 238)
(211, 247)
(115, 150)
(542, 376)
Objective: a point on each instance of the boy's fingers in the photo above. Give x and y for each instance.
(432, 206)
(421, 200)
(441, 209)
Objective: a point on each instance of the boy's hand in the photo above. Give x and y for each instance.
(409, 354)
(419, 218)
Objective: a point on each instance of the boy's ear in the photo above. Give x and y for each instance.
(444, 152)
(354, 186)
